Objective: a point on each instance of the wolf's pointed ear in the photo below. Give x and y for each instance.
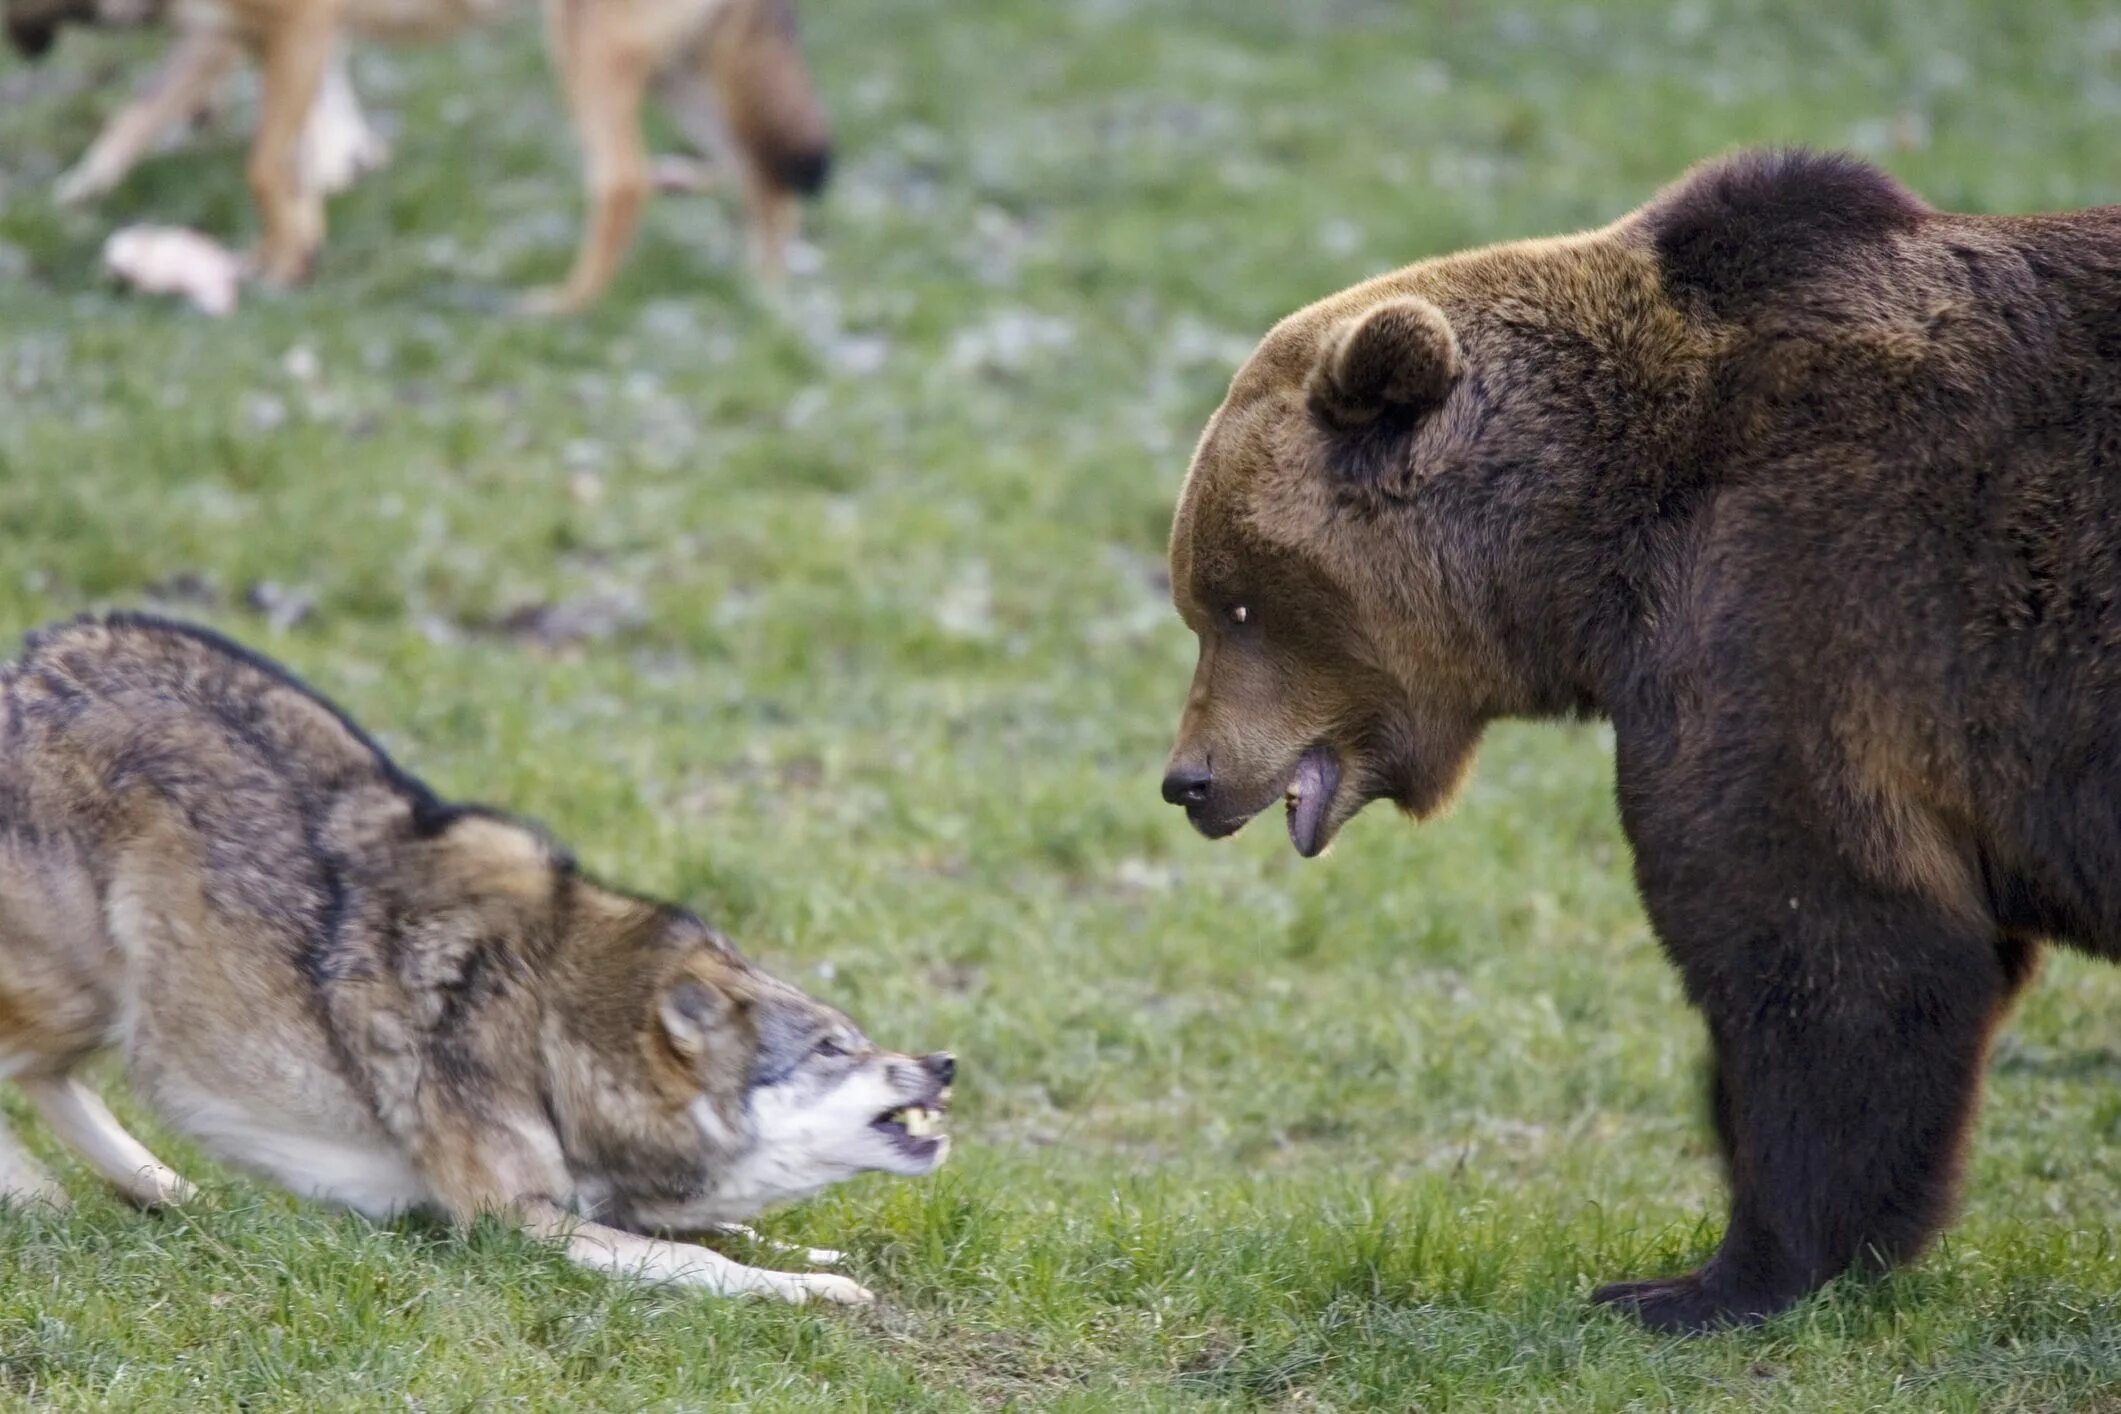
(1396, 360)
(692, 1014)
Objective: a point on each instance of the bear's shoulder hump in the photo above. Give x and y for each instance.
(1753, 222)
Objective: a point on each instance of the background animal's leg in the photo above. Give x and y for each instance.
(775, 217)
(85, 1124)
(626, 1254)
(291, 213)
(688, 101)
(338, 145)
(605, 78)
(776, 126)
(176, 92)
(1849, 1026)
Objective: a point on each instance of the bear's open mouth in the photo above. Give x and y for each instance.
(1308, 794)
(1308, 798)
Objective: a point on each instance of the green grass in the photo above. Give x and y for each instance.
(871, 663)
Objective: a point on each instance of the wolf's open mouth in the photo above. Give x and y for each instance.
(917, 1128)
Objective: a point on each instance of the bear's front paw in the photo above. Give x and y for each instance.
(1690, 1305)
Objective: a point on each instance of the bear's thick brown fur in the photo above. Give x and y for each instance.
(1815, 493)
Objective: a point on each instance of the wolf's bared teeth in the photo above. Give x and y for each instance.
(919, 1121)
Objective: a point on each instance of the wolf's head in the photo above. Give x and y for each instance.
(693, 1088)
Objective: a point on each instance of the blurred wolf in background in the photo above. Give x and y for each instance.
(730, 74)
(337, 143)
(329, 976)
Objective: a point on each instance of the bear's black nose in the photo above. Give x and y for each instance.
(1188, 785)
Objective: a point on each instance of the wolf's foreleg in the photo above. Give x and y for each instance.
(815, 1256)
(626, 1254)
(23, 1180)
(85, 1124)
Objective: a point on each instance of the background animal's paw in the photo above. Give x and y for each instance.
(824, 1286)
(282, 267)
(1687, 1305)
(546, 301)
(685, 175)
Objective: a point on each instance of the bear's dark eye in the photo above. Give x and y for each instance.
(1240, 614)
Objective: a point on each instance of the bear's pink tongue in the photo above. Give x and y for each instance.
(1311, 795)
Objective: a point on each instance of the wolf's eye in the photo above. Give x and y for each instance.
(829, 1046)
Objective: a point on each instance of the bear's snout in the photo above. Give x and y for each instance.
(1194, 787)
(1187, 785)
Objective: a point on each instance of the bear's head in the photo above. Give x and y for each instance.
(1304, 690)
(1457, 492)
(1353, 547)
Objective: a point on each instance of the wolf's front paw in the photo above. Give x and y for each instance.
(160, 1187)
(821, 1286)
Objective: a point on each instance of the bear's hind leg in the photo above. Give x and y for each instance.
(1849, 1031)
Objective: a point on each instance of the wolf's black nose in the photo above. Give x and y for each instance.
(942, 1065)
(1188, 785)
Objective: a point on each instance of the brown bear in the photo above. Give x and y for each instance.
(1814, 492)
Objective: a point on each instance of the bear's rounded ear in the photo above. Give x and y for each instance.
(1397, 358)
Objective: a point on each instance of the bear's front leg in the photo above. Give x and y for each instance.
(1849, 1026)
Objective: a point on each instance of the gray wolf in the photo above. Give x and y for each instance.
(328, 976)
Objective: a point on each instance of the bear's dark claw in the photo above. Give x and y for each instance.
(1693, 1304)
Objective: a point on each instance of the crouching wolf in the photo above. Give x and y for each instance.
(329, 976)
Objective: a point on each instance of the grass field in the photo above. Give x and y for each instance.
(837, 612)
